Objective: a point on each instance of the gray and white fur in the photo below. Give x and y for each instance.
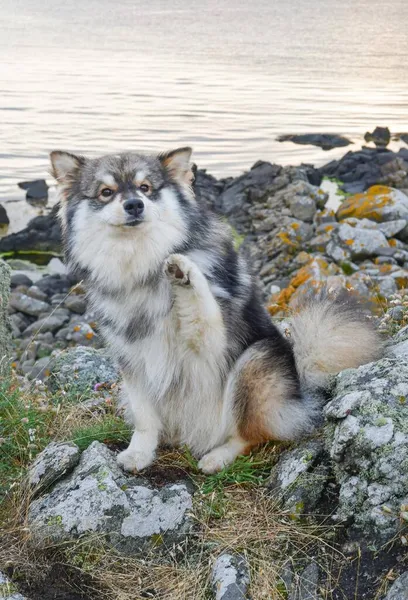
(202, 363)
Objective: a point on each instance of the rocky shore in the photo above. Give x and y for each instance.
(345, 225)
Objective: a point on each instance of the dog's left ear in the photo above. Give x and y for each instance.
(177, 163)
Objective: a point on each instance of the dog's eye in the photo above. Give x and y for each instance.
(145, 188)
(106, 193)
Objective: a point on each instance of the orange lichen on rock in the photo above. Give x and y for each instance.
(313, 274)
(367, 205)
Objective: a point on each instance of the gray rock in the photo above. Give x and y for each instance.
(359, 241)
(55, 461)
(76, 304)
(97, 497)
(230, 577)
(49, 323)
(391, 228)
(326, 141)
(399, 350)
(299, 477)
(5, 328)
(367, 437)
(35, 292)
(399, 589)
(79, 369)
(303, 208)
(20, 279)
(39, 370)
(305, 585)
(28, 305)
(8, 590)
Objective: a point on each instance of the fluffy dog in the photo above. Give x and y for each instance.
(202, 363)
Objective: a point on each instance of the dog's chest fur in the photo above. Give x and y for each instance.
(143, 332)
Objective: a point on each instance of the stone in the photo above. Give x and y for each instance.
(55, 461)
(51, 322)
(299, 477)
(326, 141)
(5, 327)
(303, 208)
(42, 233)
(367, 437)
(392, 228)
(399, 350)
(381, 137)
(76, 304)
(40, 370)
(399, 589)
(79, 369)
(380, 203)
(305, 585)
(4, 219)
(360, 242)
(8, 590)
(36, 191)
(27, 304)
(20, 279)
(98, 498)
(230, 577)
(36, 293)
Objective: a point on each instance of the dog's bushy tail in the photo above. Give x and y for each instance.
(331, 333)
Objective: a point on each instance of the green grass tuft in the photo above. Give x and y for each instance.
(245, 470)
(110, 430)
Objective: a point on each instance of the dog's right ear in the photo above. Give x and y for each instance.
(65, 165)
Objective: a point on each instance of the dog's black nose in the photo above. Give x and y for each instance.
(134, 207)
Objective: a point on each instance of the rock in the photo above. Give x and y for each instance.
(303, 208)
(380, 203)
(8, 590)
(367, 437)
(55, 461)
(20, 279)
(235, 192)
(381, 137)
(35, 292)
(49, 323)
(391, 228)
(299, 477)
(41, 234)
(98, 498)
(27, 304)
(230, 577)
(399, 589)
(53, 284)
(76, 304)
(399, 350)
(4, 220)
(79, 369)
(305, 586)
(359, 242)
(326, 141)
(36, 191)
(5, 327)
(40, 370)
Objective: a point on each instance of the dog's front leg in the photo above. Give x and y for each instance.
(197, 312)
(142, 448)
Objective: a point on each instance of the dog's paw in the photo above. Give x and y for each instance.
(178, 269)
(133, 461)
(214, 461)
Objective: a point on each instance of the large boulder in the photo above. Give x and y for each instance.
(98, 498)
(367, 439)
(42, 233)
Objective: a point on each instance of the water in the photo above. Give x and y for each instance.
(226, 76)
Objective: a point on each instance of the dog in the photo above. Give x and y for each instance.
(202, 363)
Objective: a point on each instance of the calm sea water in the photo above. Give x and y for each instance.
(226, 76)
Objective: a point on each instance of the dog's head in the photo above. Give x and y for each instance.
(124, 203)
(123, 190)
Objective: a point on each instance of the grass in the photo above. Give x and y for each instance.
(109, 430)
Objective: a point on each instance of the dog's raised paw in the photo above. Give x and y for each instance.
(178, 268)
(213, 462)
(132, 461)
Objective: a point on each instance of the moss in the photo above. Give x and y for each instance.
(55, 520)
(346, 268)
